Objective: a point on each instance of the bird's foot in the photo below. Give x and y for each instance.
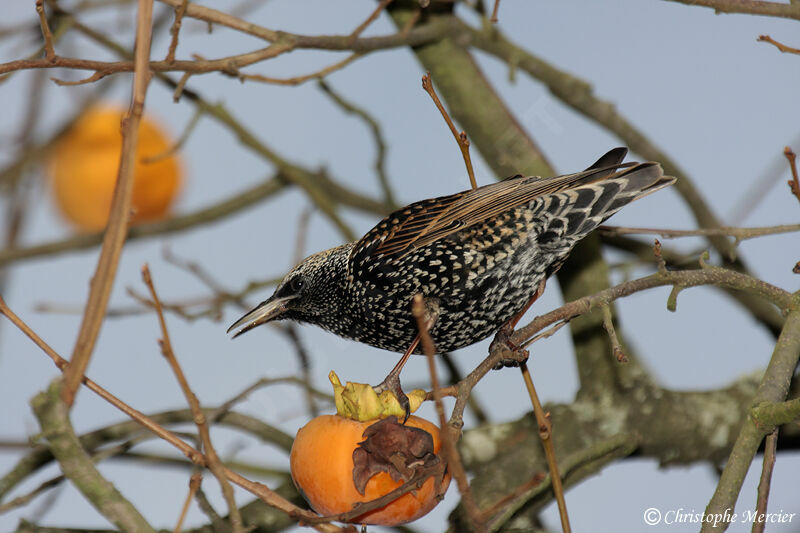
(513, 355)
(392, 384)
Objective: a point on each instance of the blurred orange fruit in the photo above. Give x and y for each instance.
(85, 162)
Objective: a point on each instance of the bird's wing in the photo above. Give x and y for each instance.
(424, 222)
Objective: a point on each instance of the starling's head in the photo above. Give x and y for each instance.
(310, 292)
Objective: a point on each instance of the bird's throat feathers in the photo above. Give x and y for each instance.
(325, 278)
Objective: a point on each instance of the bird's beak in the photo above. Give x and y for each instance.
(264, 312)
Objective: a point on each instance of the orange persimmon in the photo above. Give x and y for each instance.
(85, 162)
(322, 464)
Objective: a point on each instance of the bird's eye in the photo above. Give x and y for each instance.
(297, 284)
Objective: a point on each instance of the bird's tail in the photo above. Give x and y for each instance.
(579, 210)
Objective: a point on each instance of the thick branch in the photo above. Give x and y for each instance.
(53, 417)
(773, 388)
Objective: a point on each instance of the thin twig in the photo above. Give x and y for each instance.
(546, 436)
(97, 76)
(212, 459)
(49, 50)
(480, 413)
(377, 135)
(740, 234)
(751, 7)
(117, 228)
(187, 131)
(194, 485)
(780, 46)
(545, 334)
(608, 325)
(452, 456)
(418, 36)
(175, 30)
(496, 7)
(298, 80)
(302, 234)
(794, 183)
(661, 264)
(26, 498)
(412, 21)
(265, 382)
(285, 43)
(461, 138)
(194, 455)
(770, 445)
(372, 16)
(178, 92)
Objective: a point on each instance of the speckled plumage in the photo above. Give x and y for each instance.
(477, 257)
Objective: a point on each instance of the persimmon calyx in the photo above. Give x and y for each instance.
(359, 401)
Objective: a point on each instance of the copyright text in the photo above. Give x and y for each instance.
(654, 516)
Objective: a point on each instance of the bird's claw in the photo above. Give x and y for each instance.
(392, 384)
(513, 355)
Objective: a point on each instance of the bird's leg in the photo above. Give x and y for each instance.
(392, 381)
(503, 335)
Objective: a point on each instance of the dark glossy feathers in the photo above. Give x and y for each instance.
(477, 257)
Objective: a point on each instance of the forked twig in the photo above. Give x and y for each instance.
(461, 138)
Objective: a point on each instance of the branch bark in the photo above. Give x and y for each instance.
(773, 388)
(53, 416)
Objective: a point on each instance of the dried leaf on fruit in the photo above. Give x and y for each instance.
(399, 450)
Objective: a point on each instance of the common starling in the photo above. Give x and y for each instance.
(477, 257)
